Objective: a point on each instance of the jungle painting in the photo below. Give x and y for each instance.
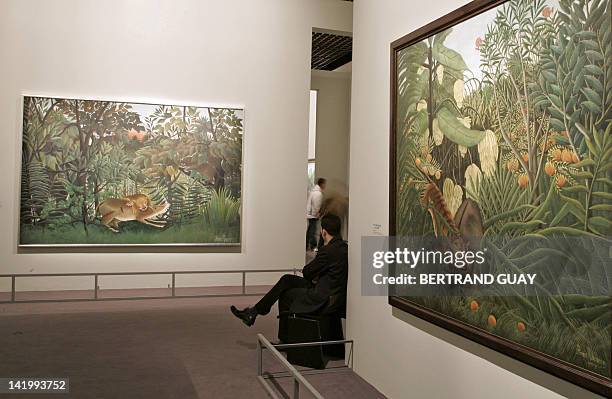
(117, 173)
(501, 111)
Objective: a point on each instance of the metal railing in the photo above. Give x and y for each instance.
(173, 287)
(298, 377)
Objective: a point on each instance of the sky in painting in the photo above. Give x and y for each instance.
(145, 110)
(463, 37)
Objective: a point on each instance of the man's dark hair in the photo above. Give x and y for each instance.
(331, 224)
(321, 181)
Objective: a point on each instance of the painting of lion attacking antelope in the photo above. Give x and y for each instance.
(501, 138)
(117, 173)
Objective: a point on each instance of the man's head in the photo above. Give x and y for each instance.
(321, 183)
(330, 227)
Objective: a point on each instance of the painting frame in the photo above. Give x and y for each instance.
(559, 368)
(216, 247)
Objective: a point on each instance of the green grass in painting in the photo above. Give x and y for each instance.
(584, 346)
(131, 233)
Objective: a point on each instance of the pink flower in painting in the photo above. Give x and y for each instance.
(547, 12)
(479, 42)
(132, 134)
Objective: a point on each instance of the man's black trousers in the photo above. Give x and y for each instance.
(311, 234)
(285, 291)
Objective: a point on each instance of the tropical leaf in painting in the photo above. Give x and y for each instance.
(473, 177)
(502, 201)
(488, 150)
(589, 200)
(411, 80)
(35, 191)
(456, 131)
(446, 56)
(574, 84)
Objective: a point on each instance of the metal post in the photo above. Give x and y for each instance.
(13, 289)
(297, 376)
(173, 284)
(243, 283)
(95, 286)
(259, 359)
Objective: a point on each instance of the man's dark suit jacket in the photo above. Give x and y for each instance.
(328, 273)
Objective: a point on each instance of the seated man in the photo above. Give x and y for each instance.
(323, 284)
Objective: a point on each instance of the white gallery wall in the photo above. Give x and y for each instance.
(333, 127)
(333, 120)
(399, 354)
(251, 53)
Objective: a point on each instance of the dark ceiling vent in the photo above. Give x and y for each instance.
(330, 50)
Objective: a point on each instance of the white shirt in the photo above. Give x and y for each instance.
(315, 200)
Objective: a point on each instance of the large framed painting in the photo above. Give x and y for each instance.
(114, 173)
(501, 111)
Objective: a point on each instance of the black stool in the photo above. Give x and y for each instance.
(314, 328)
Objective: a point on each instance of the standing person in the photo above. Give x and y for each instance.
(313, 213)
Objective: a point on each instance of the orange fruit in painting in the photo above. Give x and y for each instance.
(549, 168)
(491, 320)
(474, 306)
(417, 161)
(525, 157)
(523, 180)
(428, 157)
(513, 165)
(557, 154)
(520, 326)
(132, 134)
(561, 180)
(438, 175)
(566, 156)
(575, 157)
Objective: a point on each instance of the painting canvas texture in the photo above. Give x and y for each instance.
(505, 117)
(118, 173)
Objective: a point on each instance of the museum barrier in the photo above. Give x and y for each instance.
(298, 377)
(173, 294)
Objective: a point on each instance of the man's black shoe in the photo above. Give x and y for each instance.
(247, 315)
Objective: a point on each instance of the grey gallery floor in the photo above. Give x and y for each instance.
(181, 348)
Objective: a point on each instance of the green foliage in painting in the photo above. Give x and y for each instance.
(222, 209)
(91, 166)
(525, 142)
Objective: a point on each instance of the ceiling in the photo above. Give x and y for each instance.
(330, 50)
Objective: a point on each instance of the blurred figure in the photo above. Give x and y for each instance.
(334, 204)
(313, 213)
